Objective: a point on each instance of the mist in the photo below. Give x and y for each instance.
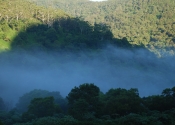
(112, 67)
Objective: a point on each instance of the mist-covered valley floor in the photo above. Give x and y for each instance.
(111, 67)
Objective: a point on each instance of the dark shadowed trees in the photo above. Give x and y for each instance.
(24, 100)
(163, 102)
(122, 102)
(83, 100)
(41, 107)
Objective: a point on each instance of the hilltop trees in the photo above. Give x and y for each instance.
(163, 102)
(142, 22)
(67, 34)
(35, 27)
(86, 100)
(83, 100)
(148, 24)
(87, 105)
(122, 102)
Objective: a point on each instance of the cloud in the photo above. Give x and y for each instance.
(113, 67)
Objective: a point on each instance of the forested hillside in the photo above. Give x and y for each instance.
(17, 16)
(147, 22)
(26, 25)
(48, 48)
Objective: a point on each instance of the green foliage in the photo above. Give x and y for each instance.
(3, 116)
(163, 102)
(17, 15)
(133, 119)
(82, 100)
(142, 22)
(4, 27)
(79, 109)
(42, 107)
(47, 121)
(24, 100)
(154, 102)
(86, 91)
(11, 117)
(122, 102)
(32, 27)
(68, 120)
(66, 34)
(117, 107)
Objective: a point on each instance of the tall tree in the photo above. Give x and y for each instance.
(83, 100)
(122, 102)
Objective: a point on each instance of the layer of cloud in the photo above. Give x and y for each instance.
(22, 72)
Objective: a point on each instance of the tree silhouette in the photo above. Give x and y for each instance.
(83, 100)
(67, 34)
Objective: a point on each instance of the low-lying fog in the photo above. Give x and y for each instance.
(21, 72)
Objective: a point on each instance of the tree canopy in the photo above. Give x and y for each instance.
(142, 22)
(86, 97)
(25, 100)
(88, 105)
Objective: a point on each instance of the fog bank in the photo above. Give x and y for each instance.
(22, 72)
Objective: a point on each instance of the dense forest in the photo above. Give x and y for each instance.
(17, 16)
(144, 23)
(48, 45)
(147, 22)
(30, 26)
(87, 105)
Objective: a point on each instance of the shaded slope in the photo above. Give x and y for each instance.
(68, 34)
(147, 22)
